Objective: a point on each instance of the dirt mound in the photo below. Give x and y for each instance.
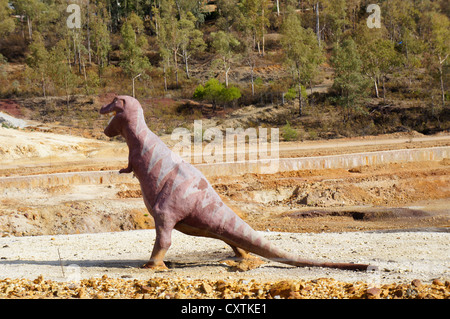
(369, 214)
(11, 107)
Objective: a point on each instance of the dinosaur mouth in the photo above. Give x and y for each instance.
(110, 120)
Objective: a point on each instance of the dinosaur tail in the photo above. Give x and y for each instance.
(247, 238)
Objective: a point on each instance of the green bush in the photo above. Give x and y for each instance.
(291, 94)
(288, 133)
(216, 93)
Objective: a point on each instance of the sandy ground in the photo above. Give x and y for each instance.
(400, 256)
(393, 216)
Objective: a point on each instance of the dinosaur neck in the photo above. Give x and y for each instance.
(137, 134)
(136, 141)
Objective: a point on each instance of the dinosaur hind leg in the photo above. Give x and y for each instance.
(240, 253)
(243, 260)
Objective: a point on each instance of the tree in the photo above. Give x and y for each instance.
(7, 24)
(316, 4)
(302, 52)
(133, 60)
(225, 45)
(378, 54)
(60, 71)
(230, 16)
(334, 19)
(191, 39)
(387, 59)
(439, 45)
(414, 47)
(163, 45)
(169, 36)
(101, 42)
(31, 9)
(349, 82)
(250, 58)
(255, 20)
(216, 92)
(398, 17)
(38, 60)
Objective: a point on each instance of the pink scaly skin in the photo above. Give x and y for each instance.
(179, 197)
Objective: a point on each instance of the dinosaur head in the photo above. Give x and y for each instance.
(125, 110)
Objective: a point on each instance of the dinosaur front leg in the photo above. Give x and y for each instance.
(129, 169)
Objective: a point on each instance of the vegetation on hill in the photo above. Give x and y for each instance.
(387, 72)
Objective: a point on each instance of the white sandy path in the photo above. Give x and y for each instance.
(401, 256)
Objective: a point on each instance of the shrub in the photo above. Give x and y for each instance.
(289, 133)
(216, 92)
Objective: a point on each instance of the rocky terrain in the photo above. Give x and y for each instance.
(95, 223)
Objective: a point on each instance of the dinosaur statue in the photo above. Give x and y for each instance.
(178, 196)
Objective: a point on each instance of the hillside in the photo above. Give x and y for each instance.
(319, 66)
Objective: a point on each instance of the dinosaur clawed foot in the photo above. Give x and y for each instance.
(155, 266)
(243, 264)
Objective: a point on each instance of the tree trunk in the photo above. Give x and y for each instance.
(88, 34)
(175, 60)
(384, 90)
(165, 77)
(376, 87)
(442, 85)
(22, 27)
(317, 23)
(30, 28)
(185, 57)
(79, 58)
(300, 100)
(134, 78)
(74, 50)
(85, 78)
(253, 83)
(43, 86)
(262, 27)
(226, 76)
(263, 44)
